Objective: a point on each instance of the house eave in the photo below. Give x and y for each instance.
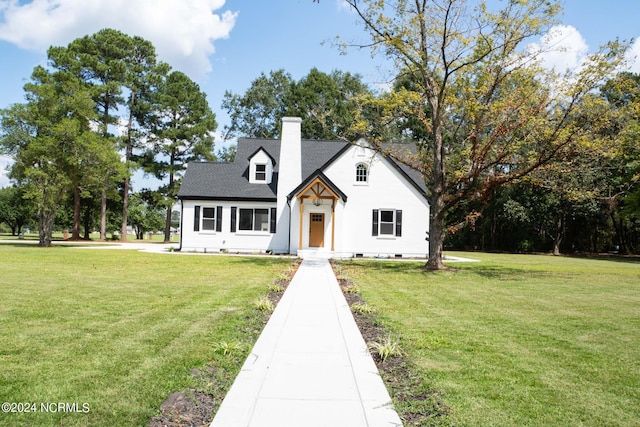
(230, 198)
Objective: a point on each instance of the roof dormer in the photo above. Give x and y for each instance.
(261, 166)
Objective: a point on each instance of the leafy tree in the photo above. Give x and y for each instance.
(143, 74)
(122, 73)
(327, 103)
(490, 113)
(622, 159)
(181, 129)
(257, 113)
(47, 137)
(175, 219)
(144, 216)
(227, 154)
(99, 61)
(15, 210)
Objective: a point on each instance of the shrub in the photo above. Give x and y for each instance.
(385, 349)
(361, 307)
(264, 304)
(228, 347)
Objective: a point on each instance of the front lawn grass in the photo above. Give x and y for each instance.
(117, 329)
(518, 340)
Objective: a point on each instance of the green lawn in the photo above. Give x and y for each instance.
(155, 238)
(116, 329)
(518, 340)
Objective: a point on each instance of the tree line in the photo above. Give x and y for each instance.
(515, 156)
(101, 108)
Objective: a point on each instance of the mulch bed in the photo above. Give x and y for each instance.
(415, 403)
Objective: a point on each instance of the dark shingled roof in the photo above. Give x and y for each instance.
(230, 181)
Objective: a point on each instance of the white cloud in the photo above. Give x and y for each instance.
(562, 48)
(633, 57)
(343, 5)
(4, 163)
(183, 32)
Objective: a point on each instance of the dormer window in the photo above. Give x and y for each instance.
(261, 165)
(261, 172)
(362, 173)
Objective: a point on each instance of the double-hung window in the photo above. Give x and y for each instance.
(261, 172)
(207, 218)
(386, 222)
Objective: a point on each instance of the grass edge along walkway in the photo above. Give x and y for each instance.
(117, 330)
(516, 339)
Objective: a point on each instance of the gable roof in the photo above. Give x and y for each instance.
(318, 175)
(230, 181)
(273, 161)
(224, 181)
(412, 175)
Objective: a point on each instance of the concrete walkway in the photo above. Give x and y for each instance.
(310, 366)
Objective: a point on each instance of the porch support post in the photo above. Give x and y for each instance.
(333, 224)
(301, 221)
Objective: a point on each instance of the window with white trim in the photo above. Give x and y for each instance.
(253, 219)
(207, 218)
(362, 173)
(386, 222)
(261, 172)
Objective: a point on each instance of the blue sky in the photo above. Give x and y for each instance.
(224, 45)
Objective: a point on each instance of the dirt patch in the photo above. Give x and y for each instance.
(181, 409)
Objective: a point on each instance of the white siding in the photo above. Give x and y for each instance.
(350, 225)
(386, 189)
(216, 241)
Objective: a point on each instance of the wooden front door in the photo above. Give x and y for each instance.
(316, 230)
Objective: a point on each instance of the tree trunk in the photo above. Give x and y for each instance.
(559, 236)
(167, 225)
(45, 227)
(436, 217)
(86, 222)
(619, 229)
(103, 216)
(75, 232)
(127, 159)
(436, 238)
(125, 208)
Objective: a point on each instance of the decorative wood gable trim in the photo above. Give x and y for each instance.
(331, 191)
(318, 189)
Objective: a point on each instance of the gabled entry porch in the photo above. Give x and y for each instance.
(317, 198)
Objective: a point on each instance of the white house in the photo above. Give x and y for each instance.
(292, 195)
